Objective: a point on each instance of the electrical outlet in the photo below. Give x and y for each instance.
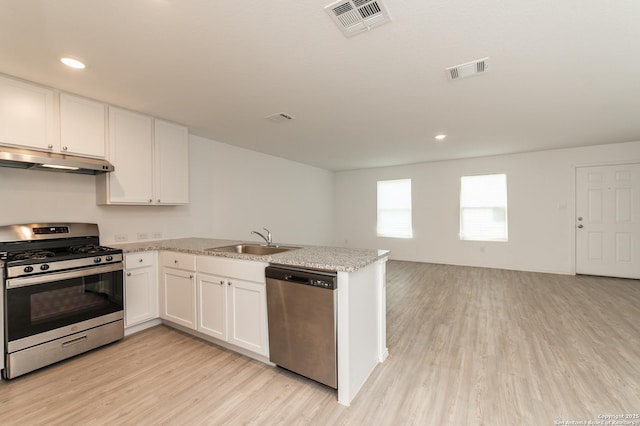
(121, 238)
(156, 235)
(143, 235)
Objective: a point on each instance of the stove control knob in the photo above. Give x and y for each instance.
(28, 269)
(97, 260)
(44, 267)
(109, 258)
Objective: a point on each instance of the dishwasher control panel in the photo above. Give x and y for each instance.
(321, 283)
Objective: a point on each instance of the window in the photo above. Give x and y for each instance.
(394, 208)
(483, 208)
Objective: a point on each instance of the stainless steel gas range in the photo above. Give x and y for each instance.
(63, 293)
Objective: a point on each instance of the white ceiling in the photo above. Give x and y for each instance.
(562, 73)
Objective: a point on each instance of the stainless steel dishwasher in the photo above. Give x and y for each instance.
(301, 307)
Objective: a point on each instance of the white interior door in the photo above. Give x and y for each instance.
(608, 220)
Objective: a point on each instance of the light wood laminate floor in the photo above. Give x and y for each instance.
(468, 346)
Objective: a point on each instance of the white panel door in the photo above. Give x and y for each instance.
(171, 163)
(140, 296)
(131, 152)
(248, 315)
(82, 126)
(27, 115)
(178, 297)
(212, 308)
(608, 220)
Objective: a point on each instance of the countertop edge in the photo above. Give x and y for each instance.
(338, 259)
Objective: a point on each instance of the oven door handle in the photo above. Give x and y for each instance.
(65, 275)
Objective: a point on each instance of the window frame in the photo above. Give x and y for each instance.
(408, 231)
(490, 208)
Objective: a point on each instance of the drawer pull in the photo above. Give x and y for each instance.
(74, 341)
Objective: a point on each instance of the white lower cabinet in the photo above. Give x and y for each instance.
(212, 306)
(248, 315)
(178, 288)
(141, 288)
(232, 302)
(219, 297)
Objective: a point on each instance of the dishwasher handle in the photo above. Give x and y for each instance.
(295, 279)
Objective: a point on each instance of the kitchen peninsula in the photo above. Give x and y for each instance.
(361, 300)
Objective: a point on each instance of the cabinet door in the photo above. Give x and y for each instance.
(212, 306)
(27, 115)
(82, 126)
(178, 297)
(171, 163)
(130, 151)
(141, 296)
(247, 315)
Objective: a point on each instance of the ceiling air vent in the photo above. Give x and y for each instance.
(279, 117)
(356, 16)
(468, 69)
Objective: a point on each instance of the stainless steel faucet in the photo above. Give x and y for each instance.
(267, 238)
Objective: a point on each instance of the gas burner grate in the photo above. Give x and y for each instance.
(88, 249)
(30, 255)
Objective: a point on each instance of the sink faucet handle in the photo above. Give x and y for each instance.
(267, 239)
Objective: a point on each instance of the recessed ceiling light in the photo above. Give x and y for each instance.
(440, 137)
(73, 63)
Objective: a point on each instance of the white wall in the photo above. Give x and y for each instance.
(540, 208)
(241, 190)
(233, 191)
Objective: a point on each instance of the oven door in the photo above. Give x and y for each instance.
(40, 304)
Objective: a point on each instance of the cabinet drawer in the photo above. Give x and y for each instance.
(233, 268)
(172, 259)
(139, 260)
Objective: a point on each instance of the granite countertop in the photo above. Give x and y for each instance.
(314, 257)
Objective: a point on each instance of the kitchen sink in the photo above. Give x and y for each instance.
(257, 249)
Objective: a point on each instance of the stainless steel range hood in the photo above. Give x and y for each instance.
(31, 159)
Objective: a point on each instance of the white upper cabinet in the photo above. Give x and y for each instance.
(82, 126)
(131, 153)
(171, 163)
(27, 115)
(150, 159)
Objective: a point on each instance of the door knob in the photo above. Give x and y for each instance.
(580, 226)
